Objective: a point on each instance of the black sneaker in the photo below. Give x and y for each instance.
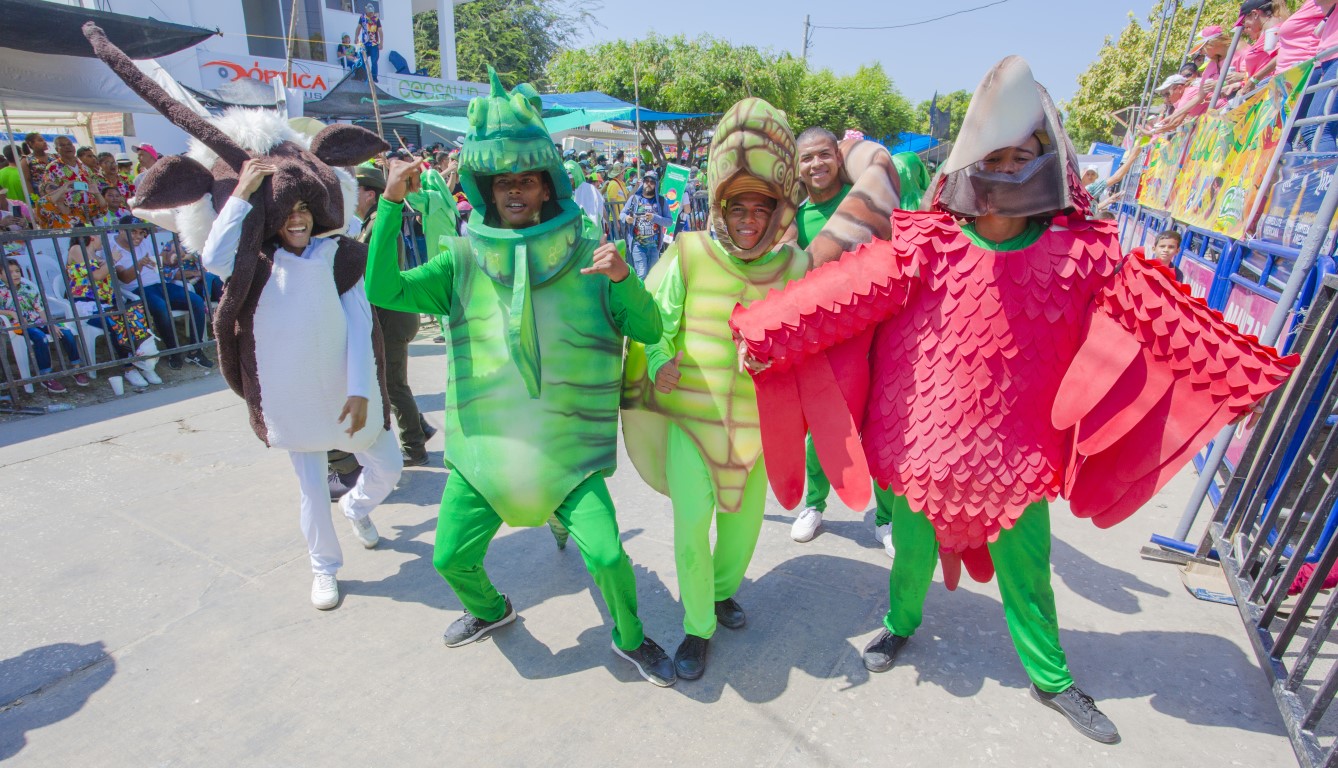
(415, 458)
(438, 339)
(690, 658)
(881, 652)
(651, 661)
(729, 613)
(337, 486)
(428, 429)
(1081, 711)
(198, 357)
(470, 628)
(174, 362)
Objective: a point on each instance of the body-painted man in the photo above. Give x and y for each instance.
(1016, 356)
(536, 313)
(689, 412)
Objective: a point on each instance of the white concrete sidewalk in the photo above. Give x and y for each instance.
(155, 600)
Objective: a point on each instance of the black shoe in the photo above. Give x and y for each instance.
(470, 628)
(651, 661)
(174, 362)
(198, 357)
(881, 652)
(729, 613)
(415, 459)
(428, 429)
(1081, 711)
(438, 339)
(337, 486)
(690, 658)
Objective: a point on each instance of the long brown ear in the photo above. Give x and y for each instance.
(344, 145)
(172, 182)
(173, 110)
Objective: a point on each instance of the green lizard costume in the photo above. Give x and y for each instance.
(535, 364)
(701, 444)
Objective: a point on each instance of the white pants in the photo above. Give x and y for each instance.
(381, 467)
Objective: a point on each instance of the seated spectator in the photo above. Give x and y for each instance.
(19, 299)
(347, 54)
(111, 174)
(13, 215)
(69, 193)
(92, 292)
(117, 207)
(136, 267)
(182, 267)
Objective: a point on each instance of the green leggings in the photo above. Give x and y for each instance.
(819, 488)
(467, 525)
(705, 577)
(1022, 567)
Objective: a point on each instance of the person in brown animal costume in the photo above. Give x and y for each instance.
(296, 336)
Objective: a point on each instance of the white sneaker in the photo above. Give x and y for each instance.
(365, 531)
(135, 379)
(806, 525)
(884, 535)
(148, 373)
(324, 591)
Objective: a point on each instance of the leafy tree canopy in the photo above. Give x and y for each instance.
(955, 102)
(517, 37)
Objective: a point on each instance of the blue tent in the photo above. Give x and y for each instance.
(914, 142)
(574, 110)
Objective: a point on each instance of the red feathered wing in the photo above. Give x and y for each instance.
(1157, 374)
(815, 333)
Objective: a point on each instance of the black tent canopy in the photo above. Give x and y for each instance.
(351, 99)
(38, 26)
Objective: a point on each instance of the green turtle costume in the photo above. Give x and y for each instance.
(535, 365)
(700, 444)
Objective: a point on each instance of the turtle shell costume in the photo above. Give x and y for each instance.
(535, 363)
(700, 443)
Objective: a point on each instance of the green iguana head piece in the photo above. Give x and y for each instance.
(754, 139)
(574, 173)
(507, 135)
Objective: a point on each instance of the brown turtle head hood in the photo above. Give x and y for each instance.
(753, 149)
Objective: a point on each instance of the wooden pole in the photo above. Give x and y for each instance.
(371, 87)
(18, 158)
(288, 44)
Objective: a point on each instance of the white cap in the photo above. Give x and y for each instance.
(1170, 83)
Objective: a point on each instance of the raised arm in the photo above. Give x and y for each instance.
(425, 289)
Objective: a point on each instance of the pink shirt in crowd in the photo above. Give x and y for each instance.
(1296, 36)
(1328, 37)
(1254, 58)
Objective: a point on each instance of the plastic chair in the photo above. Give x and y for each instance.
(20, 345)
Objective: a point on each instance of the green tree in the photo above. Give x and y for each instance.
(517, 37)
(956, 104)
(1116, 79)
(866, 101)
(708, 74)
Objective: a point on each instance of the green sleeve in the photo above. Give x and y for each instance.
(670, 297)
(634, 310)
(425, 289)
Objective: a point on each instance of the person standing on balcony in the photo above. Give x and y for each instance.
(369, 35)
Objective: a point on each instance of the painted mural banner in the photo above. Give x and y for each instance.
(1224, 165)
(1293, 202)
(1161, 168)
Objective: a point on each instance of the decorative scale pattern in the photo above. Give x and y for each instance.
(1000, 378)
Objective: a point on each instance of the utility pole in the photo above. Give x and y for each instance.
(807, 34)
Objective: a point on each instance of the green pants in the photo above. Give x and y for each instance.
(1022, 567)
(705, 576)
(467, 525)
(819, 488)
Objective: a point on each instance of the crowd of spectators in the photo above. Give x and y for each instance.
(1273, 39)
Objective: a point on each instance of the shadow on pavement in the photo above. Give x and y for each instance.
(1106, 586)
(45, 685)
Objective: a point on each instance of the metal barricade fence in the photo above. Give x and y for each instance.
(1276, 518)
(47, 258)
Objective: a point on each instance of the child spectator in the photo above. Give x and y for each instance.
(19, 299)
(347, 54)
(1166, 249)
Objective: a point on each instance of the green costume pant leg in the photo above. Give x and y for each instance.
(1022, 567)
(912, 568)
(818, 486)
(705, 576)
(885, 503)
(466, 525)
(588, 515)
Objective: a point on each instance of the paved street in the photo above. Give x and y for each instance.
(156, 613)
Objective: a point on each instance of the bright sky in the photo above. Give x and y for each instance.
(1058, 37)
